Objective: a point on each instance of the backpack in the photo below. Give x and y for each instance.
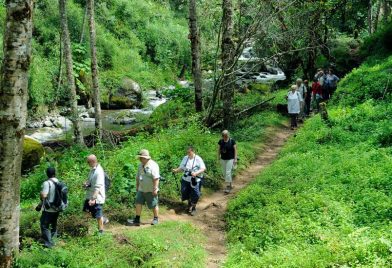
(108, 183)
(60, 201)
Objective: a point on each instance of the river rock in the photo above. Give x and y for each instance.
(84, 115)
(124, 121)
(82, 109)
(48, 123)
(128, 95)
(62, 122)
(91, 112)
(47, 133)
(33, 151)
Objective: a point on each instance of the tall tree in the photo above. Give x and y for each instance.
(69, 70)
(195, 47)
(13, 112)
(228, 62)
(94, 68)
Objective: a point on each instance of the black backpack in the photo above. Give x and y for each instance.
(108, 183)
(60, 201)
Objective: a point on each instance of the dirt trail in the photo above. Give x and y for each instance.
(211, 208)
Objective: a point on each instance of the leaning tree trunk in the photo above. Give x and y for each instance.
(370, 17)
(69, 70)
(228, 50)
(195, 47)
(94, 69)
(13, 112)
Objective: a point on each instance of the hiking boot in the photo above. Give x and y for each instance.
(133, 222)
(105, 220)
(154, 221)
(228, 189)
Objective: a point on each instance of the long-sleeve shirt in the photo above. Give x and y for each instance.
(317, 89)
(96, 180)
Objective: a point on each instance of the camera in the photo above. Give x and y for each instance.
(38, 207)
(187, 173)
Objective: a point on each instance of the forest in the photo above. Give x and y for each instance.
(122, 85)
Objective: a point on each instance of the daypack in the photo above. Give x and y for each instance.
(108, 183)
(60, 201)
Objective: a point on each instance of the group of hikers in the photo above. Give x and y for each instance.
(147, 187)
(302, 98)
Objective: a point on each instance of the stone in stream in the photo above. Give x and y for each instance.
(62, 122)
(48, 123)
(124, 121)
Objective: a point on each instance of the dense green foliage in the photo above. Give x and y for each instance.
(327, 201)
(131, 42)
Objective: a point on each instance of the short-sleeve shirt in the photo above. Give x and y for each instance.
(192, 165)
(146, 175)
(48, 188)
(226, 149)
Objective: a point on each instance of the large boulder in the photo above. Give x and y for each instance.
(33, 151)
(129, 95)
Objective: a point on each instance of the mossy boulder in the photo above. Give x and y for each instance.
(33, 151)
(263, 88)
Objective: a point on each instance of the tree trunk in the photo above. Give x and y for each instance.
(370, 18)
(69, 70)
(94, 69)
(13, 112)
(228, 49)
(377, 17)
(195, 48)
(386, 11)
(83, 25)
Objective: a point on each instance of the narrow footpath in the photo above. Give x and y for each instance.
(211, 209)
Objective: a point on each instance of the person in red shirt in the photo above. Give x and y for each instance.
(317, 93)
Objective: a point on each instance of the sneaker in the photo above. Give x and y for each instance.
(154, 221)
(100, 232)
(193, 212)
(133, 222)
(105, 220)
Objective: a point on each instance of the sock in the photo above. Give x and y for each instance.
(155, 218)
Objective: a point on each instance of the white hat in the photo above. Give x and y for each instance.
(144, 154)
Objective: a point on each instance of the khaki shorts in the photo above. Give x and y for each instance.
(142, 198)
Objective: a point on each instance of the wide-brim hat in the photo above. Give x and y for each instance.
(144, 154)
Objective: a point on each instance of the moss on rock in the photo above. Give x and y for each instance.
(33, 151)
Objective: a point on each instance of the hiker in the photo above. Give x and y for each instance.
(319, 76)
(227, 154)
(49, 216)
(317, 96)
(193, 167)
(308, 98)
(302, 93)
(331, 82)
(147, 186)
(293, 105)
(95, 192)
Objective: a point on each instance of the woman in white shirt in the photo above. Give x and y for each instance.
(293, 105)
(193, 167)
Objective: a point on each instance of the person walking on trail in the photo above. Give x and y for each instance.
(317, 94)
(293, 105)
(95, 192)
(331, 82)
(302, 93)
(227, 154)
(49, 216)
(308, 98)
(147, 186)
(193, 167)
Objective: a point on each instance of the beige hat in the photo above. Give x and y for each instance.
(144, 154)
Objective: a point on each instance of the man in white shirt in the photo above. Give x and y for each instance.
(147, 186)
(95, 192)
(193, 167)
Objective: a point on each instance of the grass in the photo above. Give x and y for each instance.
(170, 244)
(326, 202)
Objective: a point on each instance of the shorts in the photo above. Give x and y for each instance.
(147, 197)
(95, 210)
